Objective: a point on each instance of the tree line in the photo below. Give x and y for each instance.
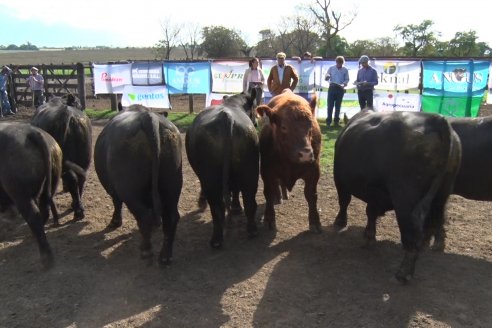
(317, 28)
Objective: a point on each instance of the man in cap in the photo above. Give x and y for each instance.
(367, 78)
(36, 82)
(4, 97)
(282, 76)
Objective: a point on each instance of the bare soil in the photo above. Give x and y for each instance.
(287, 278)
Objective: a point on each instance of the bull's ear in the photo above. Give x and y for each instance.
(263, 110)
(313, 102)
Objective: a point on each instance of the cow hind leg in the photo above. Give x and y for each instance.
(30, 211)
(344, 199)
(217, 208)
(116, 220)
(170, 219)
(71, 181)
(250, 207)
(202, 201)
(145, 220)
(372, 213)
(236, 208)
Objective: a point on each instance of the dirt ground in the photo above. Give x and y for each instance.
(287, 278)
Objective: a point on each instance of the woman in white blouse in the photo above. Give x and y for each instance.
(254, 78)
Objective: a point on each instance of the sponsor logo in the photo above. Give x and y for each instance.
(389, 68)
(146, 96)
(106, 77)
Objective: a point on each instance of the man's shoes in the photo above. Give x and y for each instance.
(9, 113)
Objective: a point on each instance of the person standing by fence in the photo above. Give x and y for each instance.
(36, 82)
(254, 79)
(338, 77)
(4, 98)
(367, 78)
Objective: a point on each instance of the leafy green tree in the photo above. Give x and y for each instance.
(362, 47)
(219, 41)
(419, 39)
(464, 44)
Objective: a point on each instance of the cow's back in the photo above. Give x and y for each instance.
(474, 180)
(375, 153)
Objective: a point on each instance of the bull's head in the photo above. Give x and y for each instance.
(295, 131)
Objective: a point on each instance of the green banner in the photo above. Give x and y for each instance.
(452, 106)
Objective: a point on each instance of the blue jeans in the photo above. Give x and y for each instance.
(5, 102)
(335, 97)
(38, 98)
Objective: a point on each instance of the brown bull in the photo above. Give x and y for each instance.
(290, 145)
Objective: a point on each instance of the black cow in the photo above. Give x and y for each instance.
(29, 175)
(404, 161)
(474, 180)
(222, 148)
(72, 129)
(137, 157)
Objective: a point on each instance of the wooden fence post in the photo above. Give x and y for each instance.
(114, 101)
(81, 84)
(190, 103)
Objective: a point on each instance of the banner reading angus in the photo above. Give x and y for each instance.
(148, 73)
(454, 88)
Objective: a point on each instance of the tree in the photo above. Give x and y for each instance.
(419, 39)
(189, 42)
(219, 41)
(464, 44)
(266, 46)
(331, 22)
(362, 47)
(171, 34)
(302, 36)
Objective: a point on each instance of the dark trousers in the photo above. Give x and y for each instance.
(365, 98)
(37, 98)
(335, 97)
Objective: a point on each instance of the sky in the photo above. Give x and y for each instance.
(66, 23)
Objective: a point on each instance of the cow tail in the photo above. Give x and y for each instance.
(151, 128)
(422, 209)
(38, 139)
(226, 165)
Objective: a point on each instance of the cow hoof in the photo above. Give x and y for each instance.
(236, 210)
(78, 215)
(217, 244)
(114, 224)
(271, 226)
(315, 228)
(402, 277)
(47, 260)
(340, 223)
(202, 204)
(146, 254)
(165, 261)
(438, 247)
(252, 231)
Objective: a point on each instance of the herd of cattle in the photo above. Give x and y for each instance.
(403, 161)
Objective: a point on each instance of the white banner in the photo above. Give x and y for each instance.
(396, 101)
(149, 96)
(397, 75)
(227, 76)
(215, 99)
(489, 96)
(350, 105)
(111, 78)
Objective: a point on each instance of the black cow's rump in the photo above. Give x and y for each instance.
(72, 129)
(137, 158)
(29, 174)
(404, 161)
(222, 148)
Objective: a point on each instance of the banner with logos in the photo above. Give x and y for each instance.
(489, 94)
(187, 77)
(149, 96)
(397, 75)
(350, 105)
(111, 78)
(227, 76)
(454, 88)
(150, 73)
